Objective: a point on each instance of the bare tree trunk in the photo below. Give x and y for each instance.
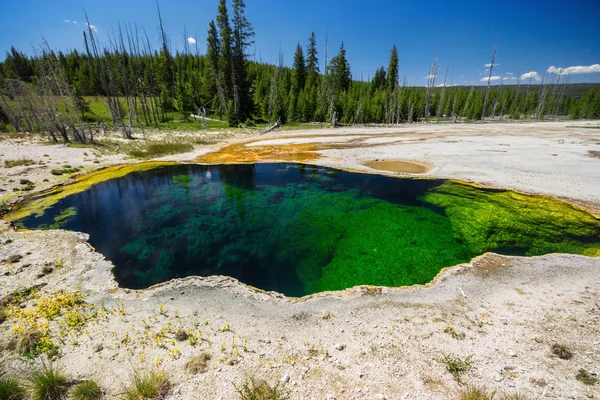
(430, 87)
(487, 90)
(441, 105)
(515, 106)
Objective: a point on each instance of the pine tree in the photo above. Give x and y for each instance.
(379, 79)
(312, 62)
(339, 69)
(241, 40)
(225, 68)
(392, 72)
(213, 57)
(299, 70)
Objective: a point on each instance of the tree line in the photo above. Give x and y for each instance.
(144, 87)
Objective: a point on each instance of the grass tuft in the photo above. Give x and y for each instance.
(585, 377)
(481, 393)
(476, 393)
(455, 365)
(28, 341)
(48, 383)
(561, 351)
(11, 389)
(86, 390)
(64, 171)
(198, 364)
(149, 386)
(18, 163)
(253, 389)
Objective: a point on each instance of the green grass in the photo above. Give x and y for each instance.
(18, 163)
(150, 386)
(159, 149)
(253, 389)
(586, 378)
(48, 383)
(64, 171)
(11, 389)
(86, 390)
(455, 365)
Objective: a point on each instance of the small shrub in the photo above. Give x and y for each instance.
(455, 365)
(198, 364)
(25, 182)
(48, 383)
(18, 163)
(585, 377)
(253, 389)
(86, 390)
(561, 351)
(149, 386)
(11, 389)
(3, 314)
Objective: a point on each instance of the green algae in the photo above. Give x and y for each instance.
(61, 219)
(336, 240)
(489, 220)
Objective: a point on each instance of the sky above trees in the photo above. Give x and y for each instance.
(533, 38)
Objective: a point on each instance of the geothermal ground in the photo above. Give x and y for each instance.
(506, 315)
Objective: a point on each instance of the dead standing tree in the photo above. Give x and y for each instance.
(487, 90)
(49, 107)
(108, 77)
(441, 103)
(430, 86)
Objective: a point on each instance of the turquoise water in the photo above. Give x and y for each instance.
(292, 228)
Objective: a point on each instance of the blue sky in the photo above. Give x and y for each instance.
(532, 35)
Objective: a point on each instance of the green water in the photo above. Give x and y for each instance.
(298, 230)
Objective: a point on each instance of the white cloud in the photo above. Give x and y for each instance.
(430, 76)
(447, 84)
(490, 64)
(509, 73)
(578, 69)
(191, 40)
(75, 22)
(66, 20)
(93, 27)
(531, 74)
(491, 78)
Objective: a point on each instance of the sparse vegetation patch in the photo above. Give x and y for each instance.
(18, 163)
(253, 389)
(455, 365)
